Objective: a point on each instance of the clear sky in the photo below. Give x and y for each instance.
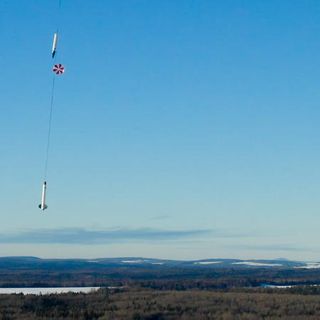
(181, 129)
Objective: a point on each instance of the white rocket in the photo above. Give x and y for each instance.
(43, 205)
(54, 44)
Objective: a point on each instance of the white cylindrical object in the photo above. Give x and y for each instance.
(43, 205)
(54, 43)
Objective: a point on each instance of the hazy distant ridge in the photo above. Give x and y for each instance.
(24, 261)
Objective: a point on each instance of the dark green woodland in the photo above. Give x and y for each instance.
(170, 290)
(138, 303)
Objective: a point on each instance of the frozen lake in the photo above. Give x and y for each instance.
(47, 290)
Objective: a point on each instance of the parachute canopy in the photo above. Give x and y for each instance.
(58, 69)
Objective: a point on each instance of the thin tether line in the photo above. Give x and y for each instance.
(51, 101)
(49, 128)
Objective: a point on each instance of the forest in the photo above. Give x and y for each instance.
(167, 291)
(147, 304)
(160, 278)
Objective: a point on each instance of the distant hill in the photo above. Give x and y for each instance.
(155, 273)
(26, 261)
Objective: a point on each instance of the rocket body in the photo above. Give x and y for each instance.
(43, 205)
(54, 44)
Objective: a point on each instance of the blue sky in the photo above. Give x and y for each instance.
(181, 129)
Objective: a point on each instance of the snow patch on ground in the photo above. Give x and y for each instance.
(142, 261)
(311, 265)
(207, 262)
(47, 290)
(258, 264)
(132, 261)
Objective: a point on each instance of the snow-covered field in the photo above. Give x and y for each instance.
(47, 290)
(310, 265)
(133, 261)
(207, 262)
(257, 264)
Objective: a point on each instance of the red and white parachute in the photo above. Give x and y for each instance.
(58, 69)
